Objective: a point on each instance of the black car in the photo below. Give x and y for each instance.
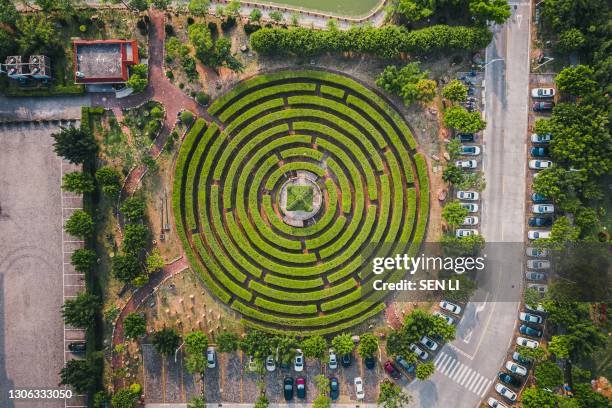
(77, 347)
(509, 379)
(540, 221)
(530, 331)
(288, 388)
(334, 388)
(466, 137)
(347, 359)
(540, 152)
(538, 198)
(370, 362)
(542, 106)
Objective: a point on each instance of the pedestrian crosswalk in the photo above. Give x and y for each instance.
(462, 374)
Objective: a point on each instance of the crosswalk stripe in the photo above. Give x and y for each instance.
(450, 367)
(446, 363)
(441, 361)
(483, 387)
(459, 373)
(439, 357)
(472, 379)
(465, 376)
(476, 384)
(452, 372)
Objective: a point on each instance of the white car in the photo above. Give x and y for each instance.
(468, 195)
(359, 393)
(539, 308)
(542, 92)
(522, 341)
(542, 139)
(429, 343)
(422, 354)
(270, 363)
(449, 320)
(539, 287)
(451, 307)
(467, 164)
(505, 392)
(298, 362)
(516, 368)
(538, 234)
(493, 403)
(543, 208)
(540, 164)
(535, 276)
(530, 318)
(211, 357)
(471, 207)
(536, 252)
(470, 220)
(538, 264)
(333, 360)
(469, 150)
(465, 232)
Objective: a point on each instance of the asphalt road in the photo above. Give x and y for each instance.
(16, 109)
(467, 367)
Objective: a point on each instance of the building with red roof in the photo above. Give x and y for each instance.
(103, 61)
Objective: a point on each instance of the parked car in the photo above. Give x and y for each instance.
(539, 152)
(538, 264)
(522, 341)
(404, 364)
(471, 207)
(467, 164)
(543, 208)
(391, 370)
(542, 92)
(334, 388)
(451, 307)
(270, 363)
(211, 357)
(466, 137)
(429, 343)
(540, 221)
(538, 234)
(535, 276)
(359, 393)
(493, 403)
(541, 288)
(540, 164)
(538, 309)
(505, 392)
(333, 360)
(465, 232)
(468, 195)
(449, 320)
(516, 368)
(542, 106)
(252, 364)
(516, 356)
(536, 252)
(530, 318)
(420, 353)
(538, 198)
(530, 331)
(288, 388)
(298, 362)
(369, 362)
(77, 347)
(347, 359)
(541, 139)
(469, 150)
(300, 387)
(509, 379)
(470, 220)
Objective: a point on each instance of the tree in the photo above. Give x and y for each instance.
(80, 224)
(198, 7)
(124, 398)
(233, 9)
(587, 220)
(285, 347)
(126, 267)
(255, 15)
(577, 80)
(83, 260)
(587, 398)
(397, 344)
(110, 181)
(467, 286)
(532, 297)
(137, 82)
(78, 182)
(452, 174)
(454, 246)
(425, 370)
(455, 91)
(535, 355)
(322, 400)
(486, 11)
(442, 328)
(187, 117)
(314, 346)
(425, 90)
(196, 343)
(166, 341)
(392, 396)
(261, 402)
(408, 82)
(256, 344)
(74, 145)
(139, 5)
(458, 118)
(571, 40)
(368, 345)
(81, 311)
(343, 343)
(133, 208)
(201, 39)
(160, 4)
(83, 375)
(8, 12)
(454, 214)
(227, 342)
(134, 325)
(135, 238)
(560, 346)
(155, 262)
(221, 55)
(537, 398)
(416, 324)
(548, 375)
(563, 232)
(277, 16)
(36, 34)
(413, 11)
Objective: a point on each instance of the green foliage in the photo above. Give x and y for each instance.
(100, 399)
(124, 398)
(343, 343)
(467, 286)
(166, 341)
(227, 342)
(140, 5)
(155, 262)
(408, 82)
(126, 267)
(233, 8)
(535, 355)
(83, 375)
(80, 224)
(277, 16)
(314, 346)
(454, 246)
(196, 343)
(74, 145)
(537, 398)
(187, 117)
(425, 370)
(368, 345)
(392, 396)
(261, 402)
(83, 260)
(133, 208)
(577, 80)
(160, 4)
(78, 182)
(256, 344)
(548, 375)
(284, 346)
(397, 345)
(255, 15)
(587, 398)
(486, 11)
(458, 118)
(8, 12)
(134, 325)
(202, 98)
(221, 55)
(454, 214)
(81, 311)
(532, 297)
(453, 174)
(36, 34)
(135, 238)
(201, 39)
(571, 40)
(110, 181)
(455, 91)
(559, 346)
(137, 82)
(563, 232)
(198, 7)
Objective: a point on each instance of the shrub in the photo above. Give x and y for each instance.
(202, 98)
(134, 326)
(135, 238)
(133, 208)
(83, 259)
(110, 181)
(80, 224)
(187, 117)
(78, 182)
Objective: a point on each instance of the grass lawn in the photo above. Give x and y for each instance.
(299, 198)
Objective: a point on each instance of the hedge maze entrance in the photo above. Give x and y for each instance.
(374, 194)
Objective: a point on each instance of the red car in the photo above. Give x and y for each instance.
(391, 370)
(300, 386)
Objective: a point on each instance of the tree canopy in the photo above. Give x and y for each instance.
(458, 118)
(81, 311)
(74, 145)
(134, 325)
(166, 341)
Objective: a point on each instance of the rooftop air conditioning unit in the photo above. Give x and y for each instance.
(12, 60)
(35, 60)
(35, 71)
(12, 71)
(79, 74)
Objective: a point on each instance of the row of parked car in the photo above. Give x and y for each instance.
(543, 99)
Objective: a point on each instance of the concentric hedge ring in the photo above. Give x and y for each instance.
(305, 279)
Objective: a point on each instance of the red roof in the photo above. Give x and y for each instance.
(103, 61)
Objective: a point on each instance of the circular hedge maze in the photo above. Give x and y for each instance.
(313, 276)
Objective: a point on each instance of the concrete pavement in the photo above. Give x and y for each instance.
(18, 109)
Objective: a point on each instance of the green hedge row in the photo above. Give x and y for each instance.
(285, 308)
(333, 91)
(293, 283)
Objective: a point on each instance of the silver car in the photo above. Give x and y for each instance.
(468, 195)
(535, 276)
(471, 207)
(543, 208)
(333, 360)
(420, 353)
(536, 252)
(538, 264)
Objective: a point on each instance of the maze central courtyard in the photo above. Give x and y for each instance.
(345, 165)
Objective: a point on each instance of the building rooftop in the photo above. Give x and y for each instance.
(104, 61)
